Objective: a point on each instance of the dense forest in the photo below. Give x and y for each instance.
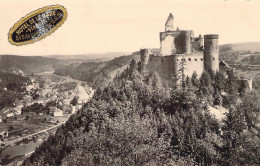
(138, 119)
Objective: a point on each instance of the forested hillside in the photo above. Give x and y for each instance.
(27, 64)
(96, 74)
(139, 120)
(246, 46)
(239, 53)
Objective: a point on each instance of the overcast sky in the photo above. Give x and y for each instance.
(97, 26)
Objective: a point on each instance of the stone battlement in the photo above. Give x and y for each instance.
(211, 36)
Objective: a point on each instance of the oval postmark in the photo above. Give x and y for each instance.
(37, 25)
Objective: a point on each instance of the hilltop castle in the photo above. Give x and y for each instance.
(180, 49)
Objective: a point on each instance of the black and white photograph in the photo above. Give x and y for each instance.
(130, 83)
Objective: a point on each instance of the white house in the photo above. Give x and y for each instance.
(18, 109)
(55, 111)
(58, 112)
(41, 102)
(73, 110)
(9, 115)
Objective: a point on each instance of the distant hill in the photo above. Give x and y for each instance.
(245, 58)
(90, 57)
(248, 46)
(235, 53)
(27, 64)
(97, 73)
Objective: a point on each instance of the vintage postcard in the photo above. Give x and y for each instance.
(130, 82)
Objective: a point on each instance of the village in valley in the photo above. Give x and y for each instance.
(47, 103)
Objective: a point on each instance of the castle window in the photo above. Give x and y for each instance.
(213, 58)
(177, 59)
(162, 60)
(189, 59)
(201, 59)
(195, 59)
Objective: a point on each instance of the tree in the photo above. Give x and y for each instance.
(231, 83)
(219, 82)
(181, 72)
(242, 87)
(251, 108)
(232, 136)
(35, 96)
(11, 128)
(194, 79)
(205, 86)
(5, 160)
(105, 148)
(74, 101)
(27, 117)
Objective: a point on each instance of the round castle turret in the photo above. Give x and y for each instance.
(211, 52)
(145, 53)
(186, 42)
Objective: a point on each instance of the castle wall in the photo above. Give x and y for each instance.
(171, 42)
(175, 42)
(165, 66)
(168, 66)
(196, 43)
(192, 63)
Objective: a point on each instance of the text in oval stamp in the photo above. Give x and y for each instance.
(37, 25)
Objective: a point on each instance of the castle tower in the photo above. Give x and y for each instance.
(145, 53)
(211, 52)
(169, 23)
(186, 42)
